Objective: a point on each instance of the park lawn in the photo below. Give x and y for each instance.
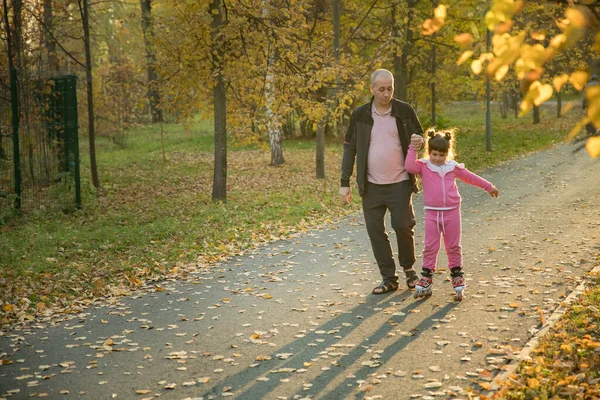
(566, 362)
(153, 216)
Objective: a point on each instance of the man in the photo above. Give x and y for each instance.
(378, 138)
(589, 127)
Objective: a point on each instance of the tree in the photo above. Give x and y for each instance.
(219, 192)
(83, 8)
(148, 32)
(273, 126)
(49, 37)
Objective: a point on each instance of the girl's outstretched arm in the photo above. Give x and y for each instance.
(473, 179)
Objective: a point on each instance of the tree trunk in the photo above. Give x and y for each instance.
(433, 93)
(90, 98)
(320, 153)
(147, 30)
(339, 124)
(17, 37)
(401, 62)
(536, 115)
(14, 99)
(273, 126)
(49, 39)
(558, 104)
(219, 192)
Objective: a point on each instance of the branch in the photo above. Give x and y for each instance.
(359, 24)
(53, 37)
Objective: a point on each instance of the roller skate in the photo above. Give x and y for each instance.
(423, 287)
(458, 282)
(411, 278)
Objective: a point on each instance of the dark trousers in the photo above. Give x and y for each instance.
(376, 201)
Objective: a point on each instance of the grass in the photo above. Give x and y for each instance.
(154, 218)
(566, 363)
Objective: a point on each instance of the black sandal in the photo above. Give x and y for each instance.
(411, 278)
(385, 287)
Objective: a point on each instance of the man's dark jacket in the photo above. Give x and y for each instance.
(358, 137)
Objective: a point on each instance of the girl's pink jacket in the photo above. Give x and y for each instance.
(439, 182)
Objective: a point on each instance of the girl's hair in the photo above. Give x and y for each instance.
(442, 141)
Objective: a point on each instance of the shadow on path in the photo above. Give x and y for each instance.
(245, 385)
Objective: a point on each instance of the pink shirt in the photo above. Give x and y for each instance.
(385, 161)
(439, 182)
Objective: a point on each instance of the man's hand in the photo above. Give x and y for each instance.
(345, 195)
(416, 141)
(494, 192)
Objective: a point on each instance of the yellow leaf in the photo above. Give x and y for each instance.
(225, 299)
(578, 79)
(143, 391)
(558, 41)
(464, 57)
(575, 130)
(476, 67)
(501, 72)
(566, 348)
(544, 93)
(538, 36)
(204, 380)
(576, 17)
(8, 308)
(533, 383)
(464, 40)
(514, 305)
(559, 81)
(592, 145)
(267, 296)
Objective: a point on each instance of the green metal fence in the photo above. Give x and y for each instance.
(39, 154)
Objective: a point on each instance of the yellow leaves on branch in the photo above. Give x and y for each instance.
(501, 12)
(432, 25)
(506, 50)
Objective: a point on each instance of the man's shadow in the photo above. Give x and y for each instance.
(245, 385)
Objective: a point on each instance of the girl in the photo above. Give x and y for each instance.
(442, 205)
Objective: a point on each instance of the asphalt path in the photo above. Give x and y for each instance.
(295, 319)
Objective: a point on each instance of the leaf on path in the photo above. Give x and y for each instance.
(204, 380)
(143, 391)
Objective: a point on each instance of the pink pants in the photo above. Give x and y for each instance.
(445, 223)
